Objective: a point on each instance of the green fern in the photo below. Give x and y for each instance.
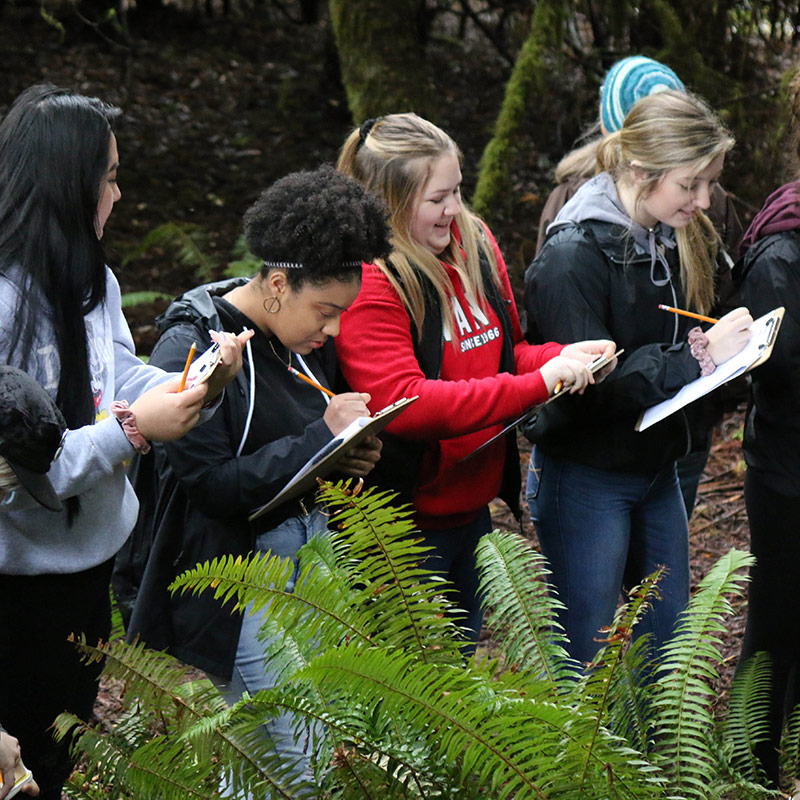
(790, 744)
(244, 263)
(188, 242)
(370, 668)
(615, 688)
(131, 299)
(521, 611)
(747, 724)
(682, 700)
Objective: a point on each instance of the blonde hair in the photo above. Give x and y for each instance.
(667, 131)
(394, 157)
(578, 163)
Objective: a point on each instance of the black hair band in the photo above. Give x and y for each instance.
(366, 127)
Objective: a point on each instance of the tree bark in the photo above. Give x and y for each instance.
(382, 57)
(534, 76)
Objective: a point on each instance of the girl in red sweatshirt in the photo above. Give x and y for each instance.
(437, 319)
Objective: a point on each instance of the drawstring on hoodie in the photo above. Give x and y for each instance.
(658, 255)
(252, 399)
(252, 402)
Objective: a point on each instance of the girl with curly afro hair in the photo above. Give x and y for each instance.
(312, 230)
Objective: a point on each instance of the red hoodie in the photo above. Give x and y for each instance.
(456, 413)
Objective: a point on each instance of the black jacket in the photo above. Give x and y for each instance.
(588, 282)
(771, 278)
(205, 492)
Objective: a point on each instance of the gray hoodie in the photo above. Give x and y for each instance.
(34, 540)
(598, 199)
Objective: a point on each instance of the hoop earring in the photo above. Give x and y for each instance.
(269, 305)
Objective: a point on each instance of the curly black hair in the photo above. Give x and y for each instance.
(319, 219)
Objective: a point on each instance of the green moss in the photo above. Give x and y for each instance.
(529, 81)
(381, 56)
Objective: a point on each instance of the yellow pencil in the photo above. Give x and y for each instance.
(313, 383)
(188, 364)
(688, 314)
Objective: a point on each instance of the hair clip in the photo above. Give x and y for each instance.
(366, 127)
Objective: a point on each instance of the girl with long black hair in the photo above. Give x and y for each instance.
(61, 321)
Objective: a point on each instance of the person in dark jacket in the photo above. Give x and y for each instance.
(635, 236)
(771, 278)
(629, 80)
(313, 230)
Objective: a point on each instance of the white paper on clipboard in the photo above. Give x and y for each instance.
(325, 459)
(757, 350)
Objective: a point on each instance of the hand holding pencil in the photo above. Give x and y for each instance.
(345, 408)
(729, 335)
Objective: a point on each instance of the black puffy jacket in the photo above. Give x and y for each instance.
(588, 282)
(771, 278)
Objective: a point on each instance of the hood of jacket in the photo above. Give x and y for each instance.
(197, 305)
(598, 201)
(781, 213)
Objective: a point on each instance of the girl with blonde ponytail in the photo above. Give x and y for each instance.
(437, 319)
(606, 500)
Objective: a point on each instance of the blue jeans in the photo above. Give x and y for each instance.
(690, 470)
(453, 558)
(603, 531)
(250, 672)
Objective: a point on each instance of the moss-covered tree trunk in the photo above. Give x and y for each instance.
(535, 74)
(382, 57)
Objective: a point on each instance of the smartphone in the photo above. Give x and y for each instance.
(22, 777)
(202, 367)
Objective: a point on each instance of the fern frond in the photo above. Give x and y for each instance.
(186, 241)
(520, 609)
(138, 772)
(346, 724)
(629, 712)
(790, 744)
(155, 679)
(747, 724)
(682, 699)
(191, 716)
(614, 687)
(380, 593)
(131, 299)
(465, 722)
(404, 602)
(315, 610)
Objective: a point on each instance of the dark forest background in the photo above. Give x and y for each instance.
(221, 97)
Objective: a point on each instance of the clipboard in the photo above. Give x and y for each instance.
(758, 349)
(325, 459)
(594, 366)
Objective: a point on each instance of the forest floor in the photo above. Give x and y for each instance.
(216, 110)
